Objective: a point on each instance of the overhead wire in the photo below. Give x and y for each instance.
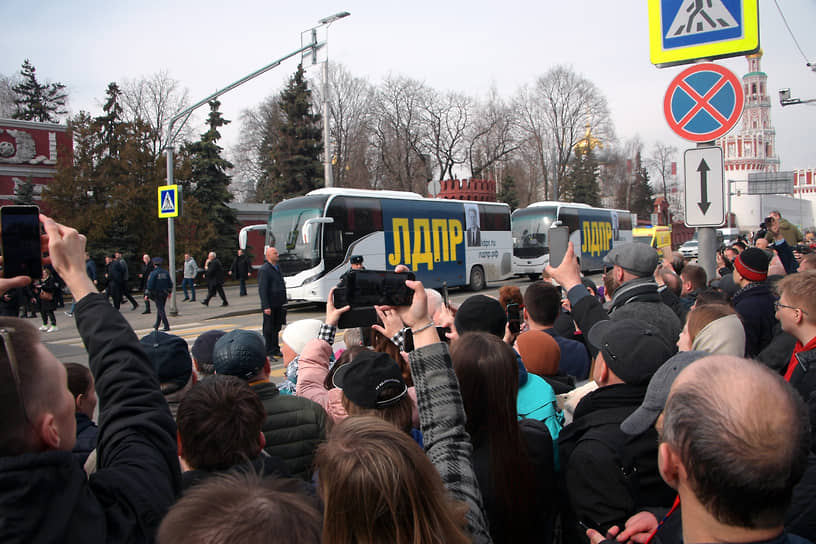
(795, 41)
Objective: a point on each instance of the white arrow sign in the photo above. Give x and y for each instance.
(705, 190)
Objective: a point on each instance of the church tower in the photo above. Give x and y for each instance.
(753, 147)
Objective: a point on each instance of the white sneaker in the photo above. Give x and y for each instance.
(52, 328)
(44, 328)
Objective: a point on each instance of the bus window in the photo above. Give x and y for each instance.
(494, 217)
(353, 219)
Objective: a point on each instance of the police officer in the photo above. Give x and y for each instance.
(159, 286)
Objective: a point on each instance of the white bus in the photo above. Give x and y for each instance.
(592, 231)
(460, 243)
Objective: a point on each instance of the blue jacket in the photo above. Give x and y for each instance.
(755, 305)
(86, 437)
(271, 287)
(159, 283)
(574, 356)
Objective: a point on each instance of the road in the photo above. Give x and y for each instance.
(193, 319)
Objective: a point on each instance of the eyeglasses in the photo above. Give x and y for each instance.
(8, 347)
(778, 305)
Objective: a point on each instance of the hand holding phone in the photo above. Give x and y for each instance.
(514, 317)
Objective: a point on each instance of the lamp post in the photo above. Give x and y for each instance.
(327, 151)
(786, 100)
(184, 116)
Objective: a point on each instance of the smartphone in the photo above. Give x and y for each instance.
(514, 317)
(22, 254)
(375, 287)
(445, 298)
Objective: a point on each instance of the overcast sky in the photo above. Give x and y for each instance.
(467, 47)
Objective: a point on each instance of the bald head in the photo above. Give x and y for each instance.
(272, 255)
(742, 434)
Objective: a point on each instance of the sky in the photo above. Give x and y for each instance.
(468, 47)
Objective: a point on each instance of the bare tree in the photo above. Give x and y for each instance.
(536, 139)
(446, 118)
(619, 172)
(493, 136)
(155, 99)
(558, 109)
(660, 162)
(246, 155)
(350, 109)
(397, 135)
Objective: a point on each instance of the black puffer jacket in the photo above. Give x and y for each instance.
(293, 429)
(46, 497)
(755, 305)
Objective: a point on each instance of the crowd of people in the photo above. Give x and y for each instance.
(664, 407)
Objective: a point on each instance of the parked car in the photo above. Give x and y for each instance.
(690, 249)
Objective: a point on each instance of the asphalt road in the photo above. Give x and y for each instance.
(194, 318)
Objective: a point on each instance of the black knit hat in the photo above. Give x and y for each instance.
(170, 357)
(752, 264)
(481, 313)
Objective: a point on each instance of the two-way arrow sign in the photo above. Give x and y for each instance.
(704, 203)
(705, 194)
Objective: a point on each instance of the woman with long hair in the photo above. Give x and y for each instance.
(377, 485)
(513, 459)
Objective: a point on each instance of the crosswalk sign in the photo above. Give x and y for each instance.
(682, 31)
(168, 201)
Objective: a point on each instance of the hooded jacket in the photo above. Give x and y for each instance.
(723, 336)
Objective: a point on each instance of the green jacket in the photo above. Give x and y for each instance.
(789, 231)
(293, 429)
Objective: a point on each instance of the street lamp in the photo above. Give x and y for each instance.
(327, 151)
(786, 100)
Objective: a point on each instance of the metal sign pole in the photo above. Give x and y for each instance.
(707, 241)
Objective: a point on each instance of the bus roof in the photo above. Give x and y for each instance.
(377, 193)
(557, 203)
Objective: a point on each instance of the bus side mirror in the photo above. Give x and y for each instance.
(310, 227)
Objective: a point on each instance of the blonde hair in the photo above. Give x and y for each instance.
(800, 288)
(379, 486)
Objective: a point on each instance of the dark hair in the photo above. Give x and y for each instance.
(346, 357)
(711, 296)
(672, 281)
(487, 370)
(383, 344)
(242, 507)
(219, 423)
(508, 294)
(542, 300)
(400, 414)
(742, 434)
(79, 378)
(678, 262)
(694, 274)
(15, 427)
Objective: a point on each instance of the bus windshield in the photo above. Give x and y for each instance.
(530, 226)
(285, 233)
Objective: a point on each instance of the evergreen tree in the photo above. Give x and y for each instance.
(209, 185)
(24, 193)
(641, 197)
(35, 101)
(291, 154)
(507, 192)
(581, 184)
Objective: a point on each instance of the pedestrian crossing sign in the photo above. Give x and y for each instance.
(168, 201)
(683, 31)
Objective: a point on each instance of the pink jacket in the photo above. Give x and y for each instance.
(313, 366)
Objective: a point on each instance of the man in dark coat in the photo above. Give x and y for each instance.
(125, 274)
(159, 286)
(215, 279)
(45, 495)
(754, 302)
(272, 290)
(630, 269)
(147, 268)
(114, 274)
(609, 475)
(240, 271)
(294, 426)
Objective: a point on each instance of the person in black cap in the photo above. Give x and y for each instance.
(159, 287)
(357, 262)
(598, 461)
(630, 280)
(202, 352)
(294, 426)
(172, 364)
(372, 384)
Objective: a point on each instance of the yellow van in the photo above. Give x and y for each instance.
(657, 237)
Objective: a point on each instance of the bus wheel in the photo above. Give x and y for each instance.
(534, 277)
(477, 279)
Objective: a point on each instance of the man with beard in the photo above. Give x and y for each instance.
(629, 282)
